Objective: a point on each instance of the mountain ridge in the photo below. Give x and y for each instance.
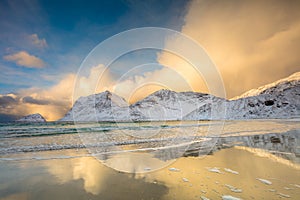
(276, 100)
(293, 78)
(32, 118)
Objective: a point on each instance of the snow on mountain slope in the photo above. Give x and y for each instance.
(280, 99)
(214, 110)
(104, 106)
(161, 105)
(170, 105)
(278, 86)
(263, 107)
(32, 118)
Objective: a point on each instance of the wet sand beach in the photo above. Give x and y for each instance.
(239, 172)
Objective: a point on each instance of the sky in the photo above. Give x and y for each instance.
(43, 44)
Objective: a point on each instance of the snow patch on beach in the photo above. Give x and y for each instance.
(215, 170)
(204, 198)
(228, 197)
(231, 171)
(284, 195)
(185, 180)
(233, 189)
(173, 169)
(267, 182)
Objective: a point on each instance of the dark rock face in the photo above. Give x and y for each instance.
(275, 139)
(269, 102)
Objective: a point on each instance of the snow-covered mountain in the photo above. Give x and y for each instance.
(280, 99)
(104, 106)
(32, 118)
(161, 105)
(170, 105)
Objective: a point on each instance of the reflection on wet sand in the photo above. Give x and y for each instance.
(75, 178)
(247, 162)
(285, 144)
(136, 162)
(234, 171)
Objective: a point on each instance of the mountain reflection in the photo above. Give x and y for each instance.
(285, 145)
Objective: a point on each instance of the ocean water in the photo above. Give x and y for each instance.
(255, 159)
(21, 138)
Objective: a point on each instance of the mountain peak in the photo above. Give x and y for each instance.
(96, 107)
(162, 91)
(32, 118)
(107, 92)
(280, 85)
(294, 76)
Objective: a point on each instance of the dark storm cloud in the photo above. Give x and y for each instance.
(7, 100)
(32, 100)
(8, 118)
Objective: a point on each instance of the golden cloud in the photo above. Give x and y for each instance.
(24, 59)
(251, 42)
(54, 102)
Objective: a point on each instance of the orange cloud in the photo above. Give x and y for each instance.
(24, 59)
(54, 102)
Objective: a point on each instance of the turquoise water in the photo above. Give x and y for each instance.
(20, 138)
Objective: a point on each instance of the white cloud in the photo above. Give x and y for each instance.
(24, 59)
(98, 80)
(38, 42)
